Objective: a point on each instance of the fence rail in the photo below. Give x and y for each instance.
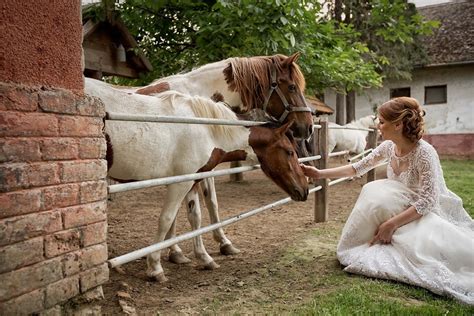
(321, 188)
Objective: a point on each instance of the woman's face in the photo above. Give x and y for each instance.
(387, 129)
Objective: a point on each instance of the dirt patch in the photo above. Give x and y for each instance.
(284, 254)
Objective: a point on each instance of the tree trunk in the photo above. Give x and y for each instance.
(350, 106)
(340, 117)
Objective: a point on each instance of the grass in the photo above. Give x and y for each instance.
(459, 177)
(346, 294)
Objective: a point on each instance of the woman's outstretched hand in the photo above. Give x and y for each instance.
(311, 172)
(384, 233)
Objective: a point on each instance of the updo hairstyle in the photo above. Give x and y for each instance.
(409, 112)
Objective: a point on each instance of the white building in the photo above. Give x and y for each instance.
(444, 86)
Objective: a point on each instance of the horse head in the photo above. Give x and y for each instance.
(274, 84)
(275, 148)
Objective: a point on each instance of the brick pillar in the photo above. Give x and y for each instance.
(53, 191)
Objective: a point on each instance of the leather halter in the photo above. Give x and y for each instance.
(288, 108)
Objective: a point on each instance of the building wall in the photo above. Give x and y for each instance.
(53, 191)
(454, 117)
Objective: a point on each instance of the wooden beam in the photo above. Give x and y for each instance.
(321, 196)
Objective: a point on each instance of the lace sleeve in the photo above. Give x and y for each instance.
(375, 157)
(427, 165)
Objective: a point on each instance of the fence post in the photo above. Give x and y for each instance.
(236, 177)
(320, 197)
(372, 142)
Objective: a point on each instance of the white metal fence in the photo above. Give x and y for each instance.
(320, 208)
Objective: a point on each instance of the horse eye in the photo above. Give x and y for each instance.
(290, 153)
(292, 87)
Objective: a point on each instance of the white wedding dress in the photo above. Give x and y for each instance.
(435, 251)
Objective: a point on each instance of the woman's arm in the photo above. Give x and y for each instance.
(385, 231)
(338, 172)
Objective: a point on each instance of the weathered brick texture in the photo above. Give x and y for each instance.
(53, 223)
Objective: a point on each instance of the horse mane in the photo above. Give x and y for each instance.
(250, 77)
(206, 108)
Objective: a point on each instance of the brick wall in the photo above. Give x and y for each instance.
(52, 199)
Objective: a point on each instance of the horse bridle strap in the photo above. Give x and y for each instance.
(288, 109)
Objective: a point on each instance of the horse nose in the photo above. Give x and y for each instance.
(310, 130)
(301, 194)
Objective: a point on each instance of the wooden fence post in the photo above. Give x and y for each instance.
(236, 177)
(372, 142)
(321, 196)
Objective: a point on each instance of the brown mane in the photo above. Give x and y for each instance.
(250, 77)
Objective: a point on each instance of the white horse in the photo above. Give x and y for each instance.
(347, 139)
(272, 85)
(145, 150)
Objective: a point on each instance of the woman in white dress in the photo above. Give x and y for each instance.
(409, 227)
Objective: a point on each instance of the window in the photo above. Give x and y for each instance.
(399, 92)
(436, 94)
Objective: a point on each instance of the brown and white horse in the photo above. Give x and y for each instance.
(145, 150)
(272, 85)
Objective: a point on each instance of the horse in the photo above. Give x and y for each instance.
(256, 88)
(351, 140)
(146, 150)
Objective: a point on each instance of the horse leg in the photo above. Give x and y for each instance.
(194, 217)
(210, 197)
(174, 196)
(175, 253)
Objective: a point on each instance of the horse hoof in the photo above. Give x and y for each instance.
(158, 277)
(228, 250)
(211, 265)
(178, 258)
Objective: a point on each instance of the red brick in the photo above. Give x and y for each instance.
(30, 278)
(18, 98)
(19, 228)
(82, 260)
(92, 148)
(94, 277)
(59, 148)
(81, 126)
(19, 202)
(93, 191)
(90, 106)
(21, 254)
(60, 196)
(19, 150)
(58, 101)
(27, 304)
(26, 175)
(84, 170)
(62, 242)
(28, 124)
(84, 214)
(62, 290)
(94, 234)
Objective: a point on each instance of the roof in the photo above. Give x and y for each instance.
(319, 106)
(114, 24)
(453, 41)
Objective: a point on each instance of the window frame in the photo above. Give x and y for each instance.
(399, 89)
(445, 92)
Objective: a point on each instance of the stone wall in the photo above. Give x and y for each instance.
(52, 198)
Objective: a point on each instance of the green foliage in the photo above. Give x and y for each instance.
(178, 35)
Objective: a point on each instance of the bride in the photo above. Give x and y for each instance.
(409, 227)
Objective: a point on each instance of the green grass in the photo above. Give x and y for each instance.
(339, 293)
(459, 177)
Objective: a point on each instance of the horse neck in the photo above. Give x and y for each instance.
(207, 81)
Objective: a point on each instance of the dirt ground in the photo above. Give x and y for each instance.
(283, 252)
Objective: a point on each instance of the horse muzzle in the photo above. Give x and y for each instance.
(299, 194)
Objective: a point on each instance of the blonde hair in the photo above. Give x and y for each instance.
(409, 112)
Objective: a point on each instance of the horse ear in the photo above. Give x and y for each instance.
(284, 128)
(293, 58)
